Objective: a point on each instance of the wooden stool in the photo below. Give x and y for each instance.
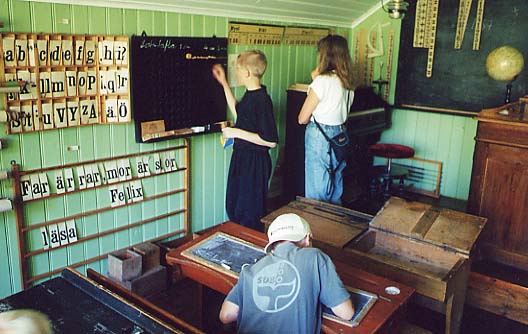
(388, 173)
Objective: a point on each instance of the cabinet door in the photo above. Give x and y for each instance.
(503, 198)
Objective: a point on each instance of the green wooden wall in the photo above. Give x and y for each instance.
(451, 141)
(209, 162)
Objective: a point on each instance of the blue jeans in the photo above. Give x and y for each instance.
(317, 181)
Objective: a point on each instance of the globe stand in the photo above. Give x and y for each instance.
(507, 98)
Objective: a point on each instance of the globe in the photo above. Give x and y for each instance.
(504, 63)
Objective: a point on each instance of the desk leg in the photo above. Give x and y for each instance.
(199, 296)
(455, 302)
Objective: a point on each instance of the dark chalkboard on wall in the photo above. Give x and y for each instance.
(459, 83)
(172, 82)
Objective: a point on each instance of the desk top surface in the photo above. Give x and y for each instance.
(386, 306)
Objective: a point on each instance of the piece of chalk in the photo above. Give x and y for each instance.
(225, 266)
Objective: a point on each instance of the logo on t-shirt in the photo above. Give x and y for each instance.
(276, 286)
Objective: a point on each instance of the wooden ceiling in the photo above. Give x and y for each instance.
(342, 13)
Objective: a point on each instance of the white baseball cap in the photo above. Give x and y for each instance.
(287, 227)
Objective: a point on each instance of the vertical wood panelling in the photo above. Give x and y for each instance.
(209, 162)
(5, 283)
(444, 138)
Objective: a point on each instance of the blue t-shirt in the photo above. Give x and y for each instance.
(283, 292)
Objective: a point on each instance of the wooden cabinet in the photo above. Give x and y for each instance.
(499, 184)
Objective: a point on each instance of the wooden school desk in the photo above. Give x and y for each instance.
(77, 304)
(378, 319)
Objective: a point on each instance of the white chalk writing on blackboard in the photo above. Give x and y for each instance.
(163, 44)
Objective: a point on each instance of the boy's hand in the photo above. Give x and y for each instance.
(229, 132)
(219, 74)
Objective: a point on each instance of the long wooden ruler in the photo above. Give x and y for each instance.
(390, 52)
(420, 24)
(432, 20)
(464, 8)
(363, 57)
(357, 69)
(478, 25)
(369, 74)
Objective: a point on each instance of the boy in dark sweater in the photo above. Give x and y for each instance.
(254, 134)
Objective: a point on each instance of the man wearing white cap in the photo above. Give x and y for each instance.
(283, 292)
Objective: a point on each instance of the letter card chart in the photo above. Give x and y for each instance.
(173, 87)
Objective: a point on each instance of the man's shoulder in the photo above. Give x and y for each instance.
(313, 252)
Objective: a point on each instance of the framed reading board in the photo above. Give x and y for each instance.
(225, 253)
(362, 301)
(172, 85)
(459, 83)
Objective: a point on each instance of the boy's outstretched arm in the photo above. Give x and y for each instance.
(345, 310)
(220, 76)
(247, 136)
(228, 312)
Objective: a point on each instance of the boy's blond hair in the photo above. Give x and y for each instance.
(24, 322)
(255, 61)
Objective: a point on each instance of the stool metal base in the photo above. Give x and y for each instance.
(382, 180)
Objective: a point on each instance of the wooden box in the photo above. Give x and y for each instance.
(424, 247)
(419, 244)
(150, 255)
(124, 265)
(150, 283)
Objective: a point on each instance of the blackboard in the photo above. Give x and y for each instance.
(362, 301)
(459, 81)
(224, 252)
(172, 81)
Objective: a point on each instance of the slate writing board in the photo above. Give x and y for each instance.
(459, 83)
(75, 305)
(225, 253)
(172, 81)
(362, 301)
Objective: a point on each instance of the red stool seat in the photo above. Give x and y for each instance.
(391, 151)
(388, 173)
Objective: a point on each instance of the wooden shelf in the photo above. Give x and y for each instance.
(177, 156)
